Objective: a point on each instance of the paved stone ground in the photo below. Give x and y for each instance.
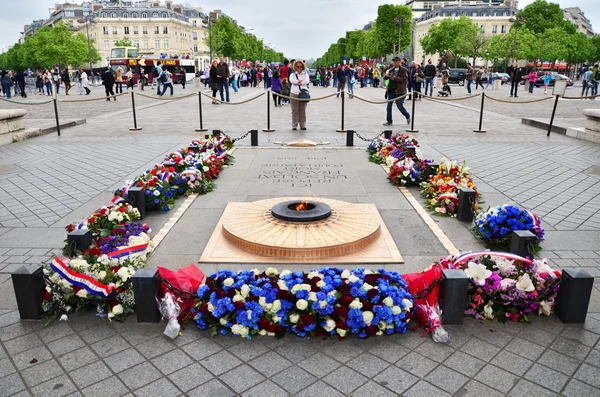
(47, 182)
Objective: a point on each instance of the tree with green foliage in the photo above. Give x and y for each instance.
(124, 42)
(453, 36)
(387, 30)
(540, 16)
(579, 49)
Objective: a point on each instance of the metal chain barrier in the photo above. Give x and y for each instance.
(166, 99)
(303, 100)
(378, 102)
(581, 97)
(364, 138)
(518, 102)
(91, 99)
(233, 103)
(26, 103)
(431, 98)
(424, 293)
(239, 138)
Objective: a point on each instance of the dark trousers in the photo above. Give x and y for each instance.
(276, 99)
(514, 86)
(109, 91)
(399, 104)
(119, 87)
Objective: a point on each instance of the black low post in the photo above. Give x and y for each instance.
(466, 199)
(481, 114)
(136, 196)
(412, 150)
(253, 137)
(522, 243)
(78, 240)
(193, 148)
(56, 115)
(135, 126)
(412, 118)
(350, 138)
(574, 296)
(268, 129)
(551, 118)
(217, 134)
(453, 296)
(343, 110)
(387, 134)
(431, 169)
(206, 137)
(28, 282)
(200, 112)
(146, 286)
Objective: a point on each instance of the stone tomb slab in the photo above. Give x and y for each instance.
(248, 233)
(301, 172)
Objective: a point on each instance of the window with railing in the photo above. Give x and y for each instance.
(144, 29)
(114, 30)
(126, 30)
(503, 29)
(156, 30)
(144, 15)
(113, 14)
(164, 15)
(494, 29)
(105, 29)
(136, 30)
(165, 30)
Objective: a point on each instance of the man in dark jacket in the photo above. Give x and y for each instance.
(20, 79)
(223, 69)
(253, 73)
(429, 73)
(67, 80)
(516, 75)
(412, 70)
(398, 77)
(108, 80)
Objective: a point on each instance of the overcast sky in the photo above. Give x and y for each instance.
(303, 29)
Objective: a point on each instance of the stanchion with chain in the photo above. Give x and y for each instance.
(412, 117)
(200, 112)
(268, 112)
(55, 109)
(481, 114)
(343, 109)
(135, 126)
(552, 117)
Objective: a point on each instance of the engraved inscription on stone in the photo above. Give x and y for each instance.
(306, 172)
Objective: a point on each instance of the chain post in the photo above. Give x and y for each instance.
(343, 113)
(551, 118)
(201, 129)
(135, 126)
(412, 117)
(268, 112)
(481, 114)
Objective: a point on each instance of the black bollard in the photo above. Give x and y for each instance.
(79, 239)
(136, 196)
(217, 134)
(206, 137)
(350, 138)
(253, 137)
(135, 126)
(387, 134)
(453, 296)
(200, 112)
(56, 115)
(28, 282)
(522, 243)
(481, 114)
(268, 129)
(146, 286)
(551, 118)
(466, 199)
(343, 110)
(574, 296)
(431, 169)
(194, 149)
(412, 117)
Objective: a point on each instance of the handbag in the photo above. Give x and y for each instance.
(352, 79)
(304, 93)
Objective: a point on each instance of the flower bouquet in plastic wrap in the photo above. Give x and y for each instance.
(425, 289)
(178, 295)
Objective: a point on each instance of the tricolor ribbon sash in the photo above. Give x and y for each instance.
(132, 251)
(451, 196)
(536, 221)
(61, 267)
(466, 256)
(118, 200)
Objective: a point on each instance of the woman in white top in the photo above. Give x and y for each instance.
(299, 79)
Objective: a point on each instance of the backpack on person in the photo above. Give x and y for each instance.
(163, 77)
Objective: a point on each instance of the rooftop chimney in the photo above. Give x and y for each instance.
(168, 4)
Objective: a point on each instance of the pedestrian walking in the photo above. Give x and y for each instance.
(108, 80)
(119, 80)
(411, 79)
(214, 79)
(20, 79)
(235, 77)
(157, 75)
(39, 83)
(67, 80)
(418, 81)
(56, 79)
(48, 82)
(6, 83)
(532, 78)
(224, 79)
(397, 77)
(595, 80)
(299, 80)
(587, 82)
(490, 79)
(429, 73)
(341, 76)
(547, 79)
(84, 81)
(129, 76)
(167, 82)
(470, 76)
(351, 78)
(479, 78)
(276, 86)
(516, 75)
(253, 76)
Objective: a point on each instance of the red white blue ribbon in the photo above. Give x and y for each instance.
(118, 200)
(127, 186)
(94, 287)
(222, 155)
(131, 251)
(466, 256)
(191, 171)
(451, 196)
(536, 221)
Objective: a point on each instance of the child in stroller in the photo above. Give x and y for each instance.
(445, 91)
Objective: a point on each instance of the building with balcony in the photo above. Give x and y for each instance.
(577, 18)
(420, 7)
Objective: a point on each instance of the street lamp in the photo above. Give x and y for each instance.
(519, 21)
(87, 18)
(400, 22)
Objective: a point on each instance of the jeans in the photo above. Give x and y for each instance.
(157, 87)
(351, 88)
(224, 84)
(49, 88)
(531, 85)
(234, 85)
(595, 88)
(468, 86)
(57, 84)
(7, 88)
(429, 83)
(335, 81)
(410, 86)
(399, 104)
(165, 88)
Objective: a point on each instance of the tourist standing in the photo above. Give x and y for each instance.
(397, 76)
(253, 76)
(215, 80)
(67, 80)
(158, 72)
(532, 79)
(341, 79)
(429, 73)
(376, 77)
(56, 79)
(595, 80)
(411, 79)
(587, 81)
(20, 79)
(285, 69)
(547, 79)
(84, 81)
(108, 80)
(479, 78)
(6, 84)
(469, 76)
(419, 78)
(48, 82)
(119, 80)
(235, 76)
(167, 82)
(285, 90)
(351, 78)
(276, 86)
(182, 77)
(224, 79)
(516, 75)
(267, 77)
(39, 83)
(129, 76)
(299, 80)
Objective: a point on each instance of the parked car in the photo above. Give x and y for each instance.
(457, 76)
(569, 80)
(312, 74)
